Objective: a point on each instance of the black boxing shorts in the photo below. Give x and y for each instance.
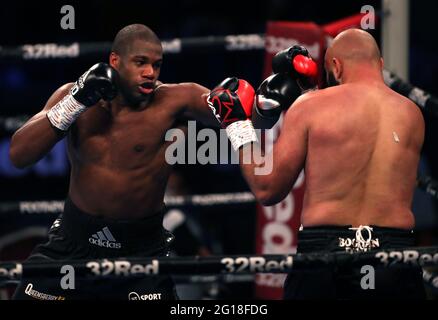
(79, 235)
(344, 282)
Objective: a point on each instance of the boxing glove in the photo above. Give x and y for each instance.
(96, 83)
(296, 61)
(231, 102)
(275, 94)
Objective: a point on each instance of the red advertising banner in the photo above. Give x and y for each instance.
(334, 28)
(277, 228)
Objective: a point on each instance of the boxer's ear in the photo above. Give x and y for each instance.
(114, 60)
(337, 69)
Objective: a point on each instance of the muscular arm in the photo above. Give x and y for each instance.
(36, 137)
(195, 100)
(272, 178)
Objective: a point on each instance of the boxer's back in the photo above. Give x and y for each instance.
(364, 142)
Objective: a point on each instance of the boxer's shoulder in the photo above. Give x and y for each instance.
(177, 95)
(177, 88)
(330, 97)
(168, 92)
(308, 103)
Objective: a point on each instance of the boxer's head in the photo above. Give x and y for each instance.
(137, 55)
(352, 52)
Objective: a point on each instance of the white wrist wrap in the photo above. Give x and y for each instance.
(240, 133)
(65, 112)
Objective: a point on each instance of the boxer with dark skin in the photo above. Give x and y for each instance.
(115, 119)
(359, 144)
(116, 148)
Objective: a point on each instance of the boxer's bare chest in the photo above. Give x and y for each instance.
(127, 139)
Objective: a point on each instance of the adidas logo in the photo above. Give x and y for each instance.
(105, 239)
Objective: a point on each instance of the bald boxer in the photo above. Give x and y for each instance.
(115, 118)
(359, 144)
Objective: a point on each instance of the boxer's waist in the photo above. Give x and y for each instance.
(347, 238)
(121, 236)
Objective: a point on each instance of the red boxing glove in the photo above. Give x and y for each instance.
(305, 66)
(231, 102)
(296, 61)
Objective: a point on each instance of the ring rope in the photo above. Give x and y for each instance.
(425, 183)
(181, 279)
(206, 200)
(242, 264)
(40, 51)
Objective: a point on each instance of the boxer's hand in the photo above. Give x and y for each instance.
(231, 102)
(297, 62)
(275, 94)
(95, 84)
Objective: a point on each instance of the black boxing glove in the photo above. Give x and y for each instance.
(95, 84)
(297, 62)
(231, 102)
(275, 94)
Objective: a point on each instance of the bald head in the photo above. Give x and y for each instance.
(354, 45)
(352, 49)
(126, 37)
